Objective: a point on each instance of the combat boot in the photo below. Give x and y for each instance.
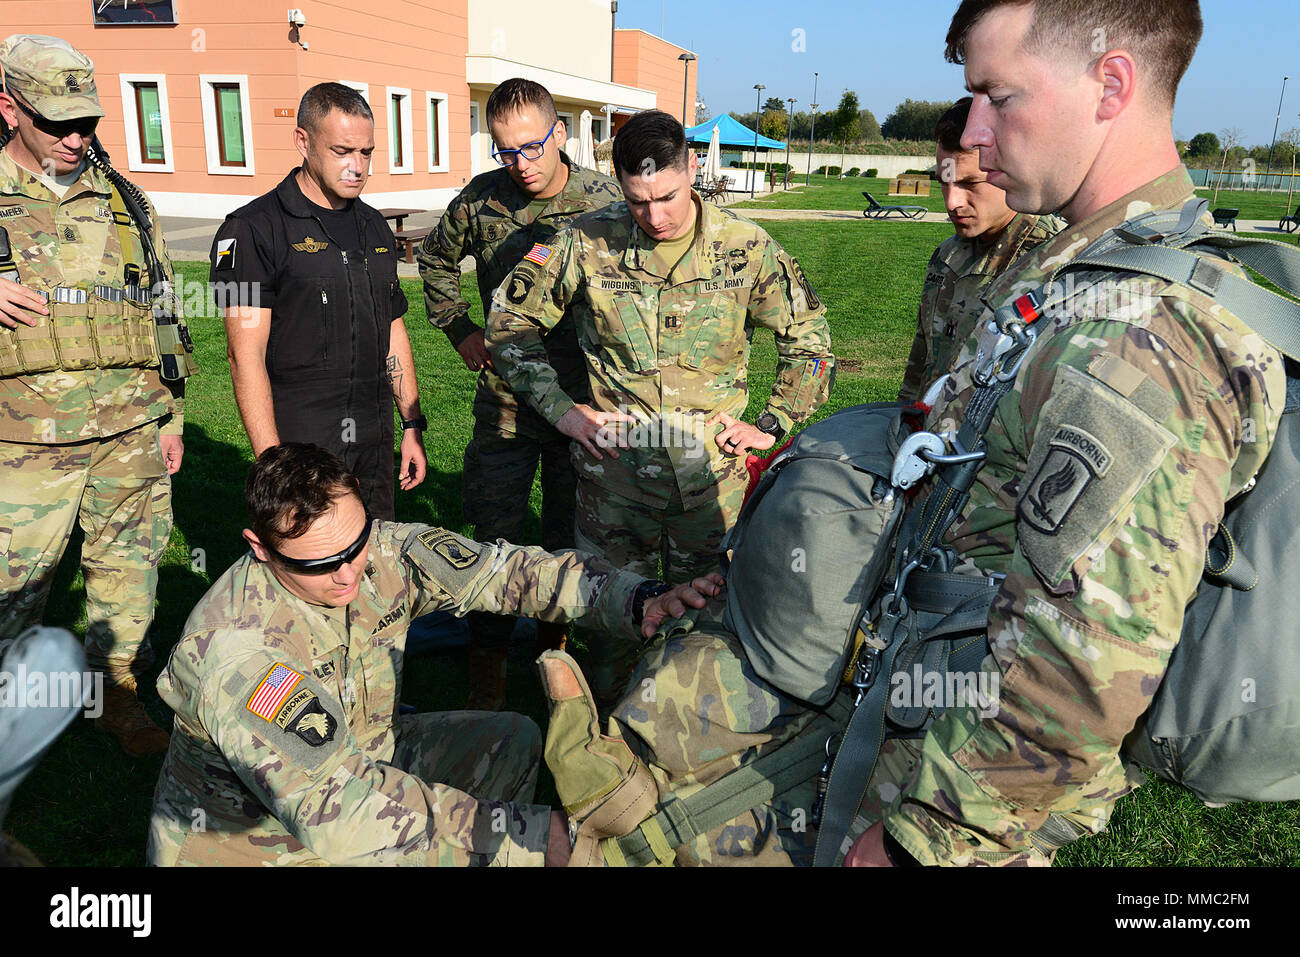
(125, 718)
(487, 678)
(606, 790)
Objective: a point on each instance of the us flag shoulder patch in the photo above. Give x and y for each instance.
(270, 694)
(538, 254)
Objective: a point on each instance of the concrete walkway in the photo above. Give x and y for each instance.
(191, 239)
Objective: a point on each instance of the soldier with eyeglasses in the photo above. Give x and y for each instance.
(498, 219)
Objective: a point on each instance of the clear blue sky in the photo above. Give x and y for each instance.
(888, 50)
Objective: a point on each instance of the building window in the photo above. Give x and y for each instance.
(437, 133)
(399, 131)
(148, 123)
(230, 124)
(570, 133)
(227, 125)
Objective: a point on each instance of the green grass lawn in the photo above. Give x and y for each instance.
(88, 804)
(832, 193)
(1269, 207)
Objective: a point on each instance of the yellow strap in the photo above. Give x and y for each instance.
(124, 222)
(654, 836)
(613, 853)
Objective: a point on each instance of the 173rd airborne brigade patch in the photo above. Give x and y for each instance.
(279, 700)
(1074, 460)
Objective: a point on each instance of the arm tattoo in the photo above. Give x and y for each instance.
(395, 375)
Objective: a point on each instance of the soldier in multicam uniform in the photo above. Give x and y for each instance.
(1165, 383)
(288, 747)
(990, 236)
(497, 219)
(666, 291)
(91, 432)
(1177, 402)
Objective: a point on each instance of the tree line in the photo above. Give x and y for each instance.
(847, 124)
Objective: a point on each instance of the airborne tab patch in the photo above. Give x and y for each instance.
(450, 547)
(1075, 459)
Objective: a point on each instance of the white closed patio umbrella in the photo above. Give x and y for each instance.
(713, 159)
(586, 144)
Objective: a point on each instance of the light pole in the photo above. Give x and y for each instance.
(753, 173)
(686, 59)
(812, 131)
(789, 129)
(613, 20)
(1275, 123)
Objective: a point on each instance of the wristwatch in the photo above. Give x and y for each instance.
(422, 423)
(650, 588)
(769, 424)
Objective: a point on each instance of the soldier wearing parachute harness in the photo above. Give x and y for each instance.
(1072, 480)
(93, 360)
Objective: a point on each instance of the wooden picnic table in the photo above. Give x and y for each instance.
(399, 215)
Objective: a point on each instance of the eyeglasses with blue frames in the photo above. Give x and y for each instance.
(532, 151)
(329, 564)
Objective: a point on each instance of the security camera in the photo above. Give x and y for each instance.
(297, 18)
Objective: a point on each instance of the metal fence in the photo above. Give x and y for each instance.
(1244, 179)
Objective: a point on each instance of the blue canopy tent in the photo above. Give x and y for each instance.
(731, 132)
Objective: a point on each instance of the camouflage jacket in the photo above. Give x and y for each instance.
(670, 350)
(65, 243)
(1141, 409)
(950, 300)
(271, 795)
(491, 221)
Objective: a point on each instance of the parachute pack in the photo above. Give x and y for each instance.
(1223, 723)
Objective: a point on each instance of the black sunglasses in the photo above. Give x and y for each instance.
(329, 565)
(85, 125)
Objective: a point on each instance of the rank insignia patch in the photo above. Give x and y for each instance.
(1076, 458)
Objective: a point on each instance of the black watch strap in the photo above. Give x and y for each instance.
(770, 425)
(650, 588)
(422, 423)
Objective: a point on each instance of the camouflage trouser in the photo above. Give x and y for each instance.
(119, 491)
(696, 710)
(683, 537)
(495, 485)
(492, 755)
